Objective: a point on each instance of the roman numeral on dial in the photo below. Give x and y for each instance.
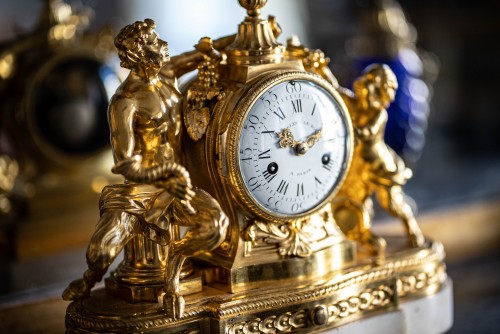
(328, 166)
(317, 182)
(297, 106)
(300, 189)
(265, 154)
(268, 177)
(283, 187)
(280, 114)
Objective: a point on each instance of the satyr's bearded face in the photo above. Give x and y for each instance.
(155, 50)
(139, 45)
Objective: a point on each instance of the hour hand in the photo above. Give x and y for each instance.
(286, 138)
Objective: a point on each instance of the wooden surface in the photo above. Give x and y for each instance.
(42, 317)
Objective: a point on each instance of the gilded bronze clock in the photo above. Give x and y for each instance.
(284, 155)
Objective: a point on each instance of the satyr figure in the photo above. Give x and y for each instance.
(146, 123)
(375, 168)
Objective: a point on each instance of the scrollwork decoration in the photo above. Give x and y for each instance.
(283, 323)
(293, 239)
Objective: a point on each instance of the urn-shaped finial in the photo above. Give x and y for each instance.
(255, 42)
(252, 6)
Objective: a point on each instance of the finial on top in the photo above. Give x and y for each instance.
(255, 42)
(252, 6)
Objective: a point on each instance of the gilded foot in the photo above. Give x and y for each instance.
(374, 244)
(174, 305)
(78, 289)
(415, 235)
(416, 239)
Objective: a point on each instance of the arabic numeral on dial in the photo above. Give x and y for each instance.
(254, 183)
(246, 155)
(273, 203)
(296, 207)
(293, 87)
(268, 99)
(253, 119)
(249, 128)
(246, 151)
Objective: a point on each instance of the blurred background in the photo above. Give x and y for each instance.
(445, 123)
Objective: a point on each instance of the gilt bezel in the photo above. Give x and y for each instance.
(240, 113)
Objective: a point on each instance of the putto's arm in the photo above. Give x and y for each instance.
(378, 122)
(121, 121)
(348, 97)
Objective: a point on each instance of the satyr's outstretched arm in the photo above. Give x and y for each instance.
(188, 61)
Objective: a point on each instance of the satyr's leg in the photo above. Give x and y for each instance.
(158, 219)
(112, 233)
(208, 229)
(173, 302)
(392, 199)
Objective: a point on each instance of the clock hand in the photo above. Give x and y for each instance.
(301, 147)
(314, 138)
(286, 138)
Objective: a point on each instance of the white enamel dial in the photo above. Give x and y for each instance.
(293, 148)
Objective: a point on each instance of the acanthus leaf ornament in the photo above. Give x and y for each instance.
(292, 239)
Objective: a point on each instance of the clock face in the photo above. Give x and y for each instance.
(294, 147)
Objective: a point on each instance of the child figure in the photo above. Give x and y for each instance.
(375, 168)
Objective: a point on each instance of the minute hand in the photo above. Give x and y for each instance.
(314, 138)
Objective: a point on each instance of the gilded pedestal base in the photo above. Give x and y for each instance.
(150, 292)
(430, 315)
(287, 271)
(364, 290)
